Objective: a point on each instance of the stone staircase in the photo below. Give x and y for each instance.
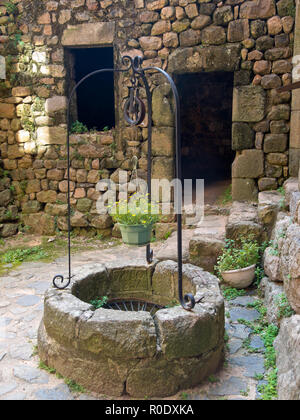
(203, 243)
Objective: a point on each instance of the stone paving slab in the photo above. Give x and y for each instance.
(21, 310)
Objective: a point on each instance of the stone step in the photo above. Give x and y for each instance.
(169, 250)
(208, 242)
(244, 221)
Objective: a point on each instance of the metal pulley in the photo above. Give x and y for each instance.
(134, 109)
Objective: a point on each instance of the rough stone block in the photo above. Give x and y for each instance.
(242, 136)
(244, 189)
(205, 250)
(287, 359)
(275, 143)
(272, 265)
(258, 9)
(249, 104)
(51, 135)
(248, 164)
(98, 33)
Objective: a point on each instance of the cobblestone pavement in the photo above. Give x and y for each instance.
(21, 310)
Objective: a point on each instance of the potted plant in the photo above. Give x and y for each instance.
(136, 218)
(237, 264)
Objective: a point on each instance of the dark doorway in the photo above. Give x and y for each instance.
(94, 104)
(206, 120)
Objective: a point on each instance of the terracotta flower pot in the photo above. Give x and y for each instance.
(136, 234)
(240, 278)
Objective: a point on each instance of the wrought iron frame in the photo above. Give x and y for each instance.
(134, 105)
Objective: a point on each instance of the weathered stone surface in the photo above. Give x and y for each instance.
(258, 9)
(271, 265)
(205, 250)
(7, 110)
(105, 333)
(163, 141)
(272, 291)
(97, 33)
(98, 341)
(55, 104)
(46, 196)
(162, 111)
(150, 43)
(258, 28)
(268, 184)
(101, 221)
(242, 136)
(200, 22)
(5, 198)
(238, 30)
(248, 164)
(244, 189)
(269, 203)
(243, 222)
(213, 35)
(294, 205)
(248, 104)
(170, 252)
(39, 223)
(189, 38)
(51, 135)
(270, 81)
(187, 336)
(223, 15)
(264, 43)
(212, 58)
(275, 143)
(79, 219)
(290, 266)
(9, 229)
(279, 112)
(286, 8)
(170, 39)
(287, 359)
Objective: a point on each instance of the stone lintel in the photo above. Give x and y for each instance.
(98, 33)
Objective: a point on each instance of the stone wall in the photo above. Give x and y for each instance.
(253, 39)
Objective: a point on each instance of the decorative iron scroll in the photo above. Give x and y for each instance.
(134, 114)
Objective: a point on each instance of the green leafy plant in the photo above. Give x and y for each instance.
(100, 302)
(172, 304)
(73, 386)
(284, 308)
(11, 7)
(78, 128)
(227, 196)
(268, 333)
(231, 293)
(20, 255)
(137, 211)
(235, 256)
(167, 234)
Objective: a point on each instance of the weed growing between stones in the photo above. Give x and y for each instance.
(78, 128)
(12, 256)
(231, 293)
(268, 333)
(73, 386)
(226, 197)
(17, 256)
(100, 302)
(284, 308)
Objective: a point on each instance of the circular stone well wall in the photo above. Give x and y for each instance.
(117, 352)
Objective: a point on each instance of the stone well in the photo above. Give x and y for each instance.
(117, 352)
